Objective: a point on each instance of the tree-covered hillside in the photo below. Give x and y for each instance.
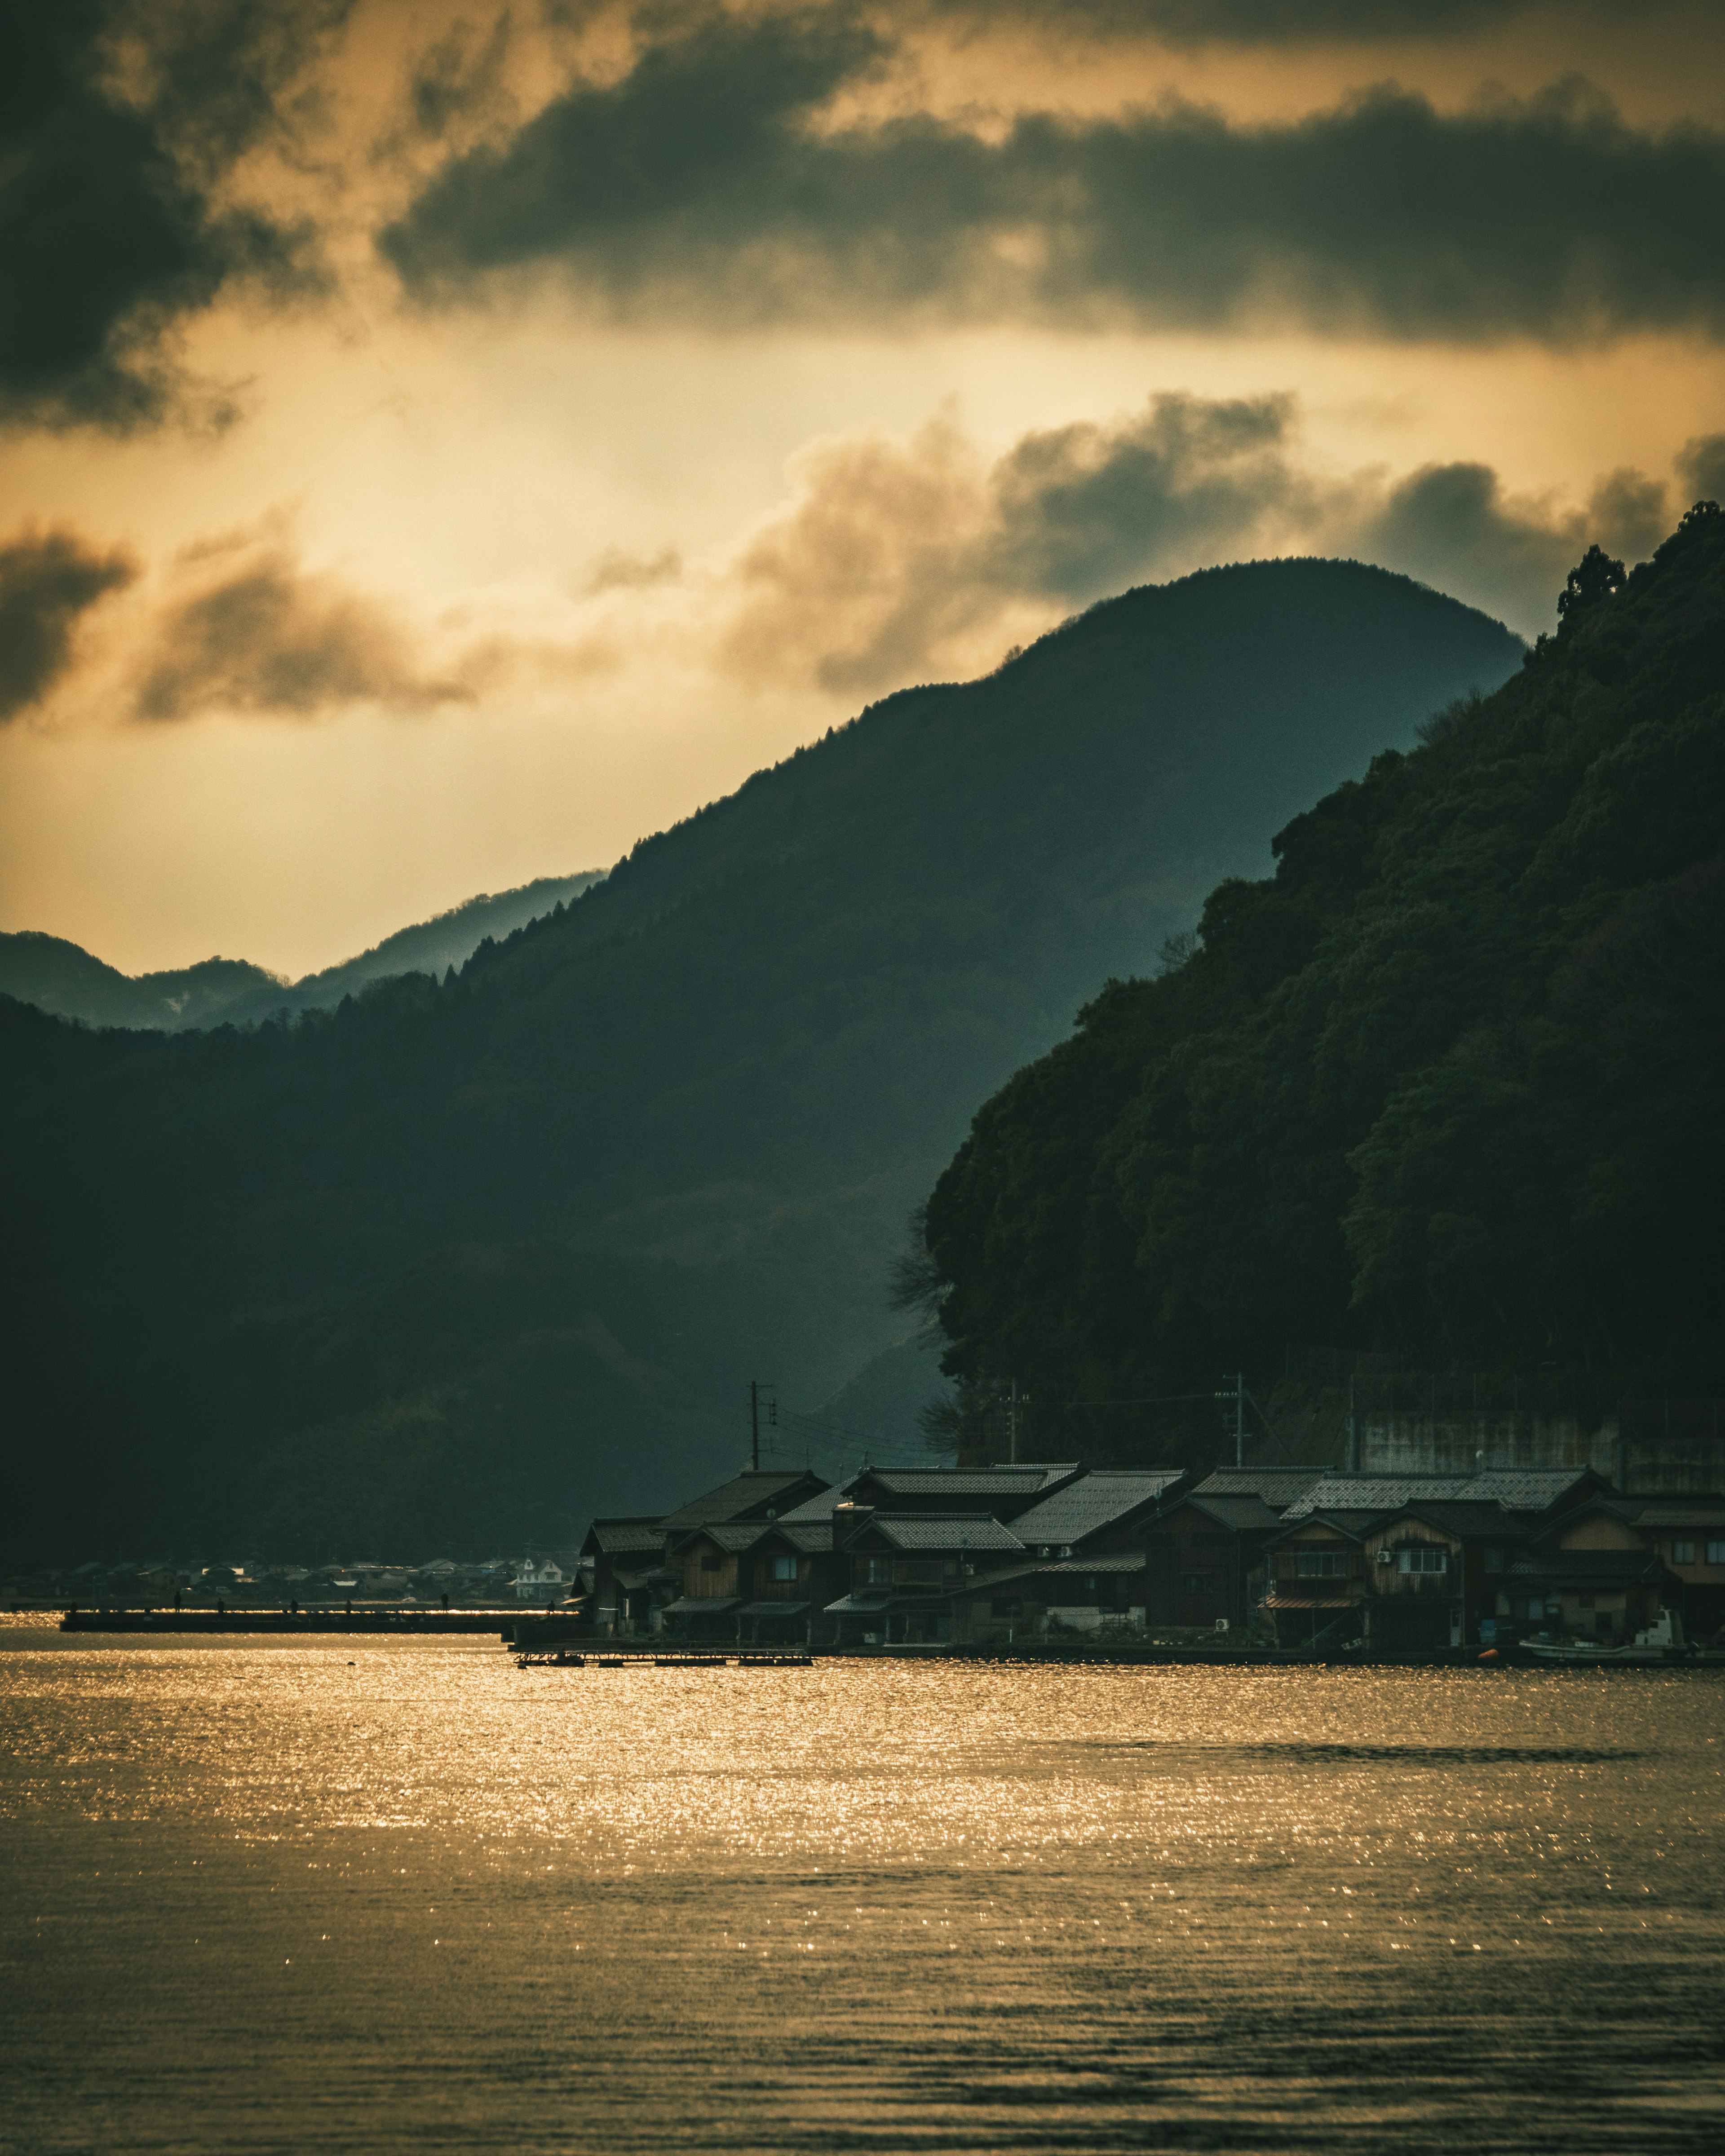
(1449, 1084)
(459, 1262)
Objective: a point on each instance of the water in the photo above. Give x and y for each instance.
(400, 1895)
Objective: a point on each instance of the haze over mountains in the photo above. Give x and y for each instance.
(61, 978)
(463, 1262)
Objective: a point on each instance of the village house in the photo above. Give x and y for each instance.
(905, 1569)
(1605, 1567)
(1204, 1546)
(1422, 1567)
(623, 1561)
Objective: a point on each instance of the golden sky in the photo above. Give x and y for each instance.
(442, 445)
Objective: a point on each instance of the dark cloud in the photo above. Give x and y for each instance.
(47, 581)
(900, 561)
(1700, 468)
(1452, 526)
(893, 555)
(1193, 23)
(1081, 509)
(260, 634)
(696, 185)
(118, 119)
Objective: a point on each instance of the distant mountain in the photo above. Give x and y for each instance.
(460, 1261)
(63, 978)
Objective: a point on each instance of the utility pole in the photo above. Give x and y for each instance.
(1238, 1397)
(754, 1425)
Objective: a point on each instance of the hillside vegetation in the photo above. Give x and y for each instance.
(460, 1261)
(1449, 1085)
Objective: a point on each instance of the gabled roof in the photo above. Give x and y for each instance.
(1524, 1489)
(1480, 1517)
(812, 1537)
(1667, 1510)
(1277, 1488)
(1353, 1521)
(629, 1534)
(1028, 1481)
(926, 1531)
(1091, 1502)
(732, 1535)
(820, 1505)
(750, 1494)
(1240, 1515)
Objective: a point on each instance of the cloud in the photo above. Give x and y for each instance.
(258, 633)
(893, 559)
(1700, 468)
(898, 560)
(48, 581)
(1453, 527)
(704, 184)
(1192, 23)
(118, 121)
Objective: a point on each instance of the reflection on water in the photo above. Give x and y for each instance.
(401, 1896)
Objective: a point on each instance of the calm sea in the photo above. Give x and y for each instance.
(402, 1897)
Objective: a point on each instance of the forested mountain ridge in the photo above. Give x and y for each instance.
(65, 980)
(465, 1259)
(1449, 1085)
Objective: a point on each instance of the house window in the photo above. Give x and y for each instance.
(1320, 1564)
(1682, 1553)
(1494, 1560)
(1197, 1582)
(710, 1562)
(880, 1571)
(1716, 1553)
(785, 1568)
(1536, 1607)
(1426, 1558)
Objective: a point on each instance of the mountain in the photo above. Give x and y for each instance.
(64, 979)
(1448, 1086)
(459, 1261)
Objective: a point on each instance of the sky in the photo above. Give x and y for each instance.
(441, 445)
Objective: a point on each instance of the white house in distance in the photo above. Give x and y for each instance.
(537, 1579)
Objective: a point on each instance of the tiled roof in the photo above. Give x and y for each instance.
(812, 1536)
(1091, 1503)
(1277, 1488)
(748, 1493)
(1480, 1517)
(1666, 1510)
(923, 1530)
(773, 1608)
(820, 1505)
(701, 1606)
(732, 1535)
(1535, 1490)
(632, 1535)
(942, 1483)
(1241, 1514)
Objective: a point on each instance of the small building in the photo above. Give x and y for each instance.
(903, 1570)
(623, 1558)
(538, 1579)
